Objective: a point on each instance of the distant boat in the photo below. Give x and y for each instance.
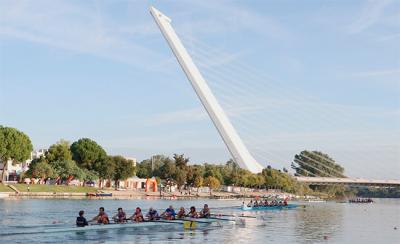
(361, 200)
(101, 194)
(264, 208)
(4, 195)
(316, 200)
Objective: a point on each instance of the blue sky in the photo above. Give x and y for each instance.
(318, 75)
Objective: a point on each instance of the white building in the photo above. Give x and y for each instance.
(133, 159)
(14, 170)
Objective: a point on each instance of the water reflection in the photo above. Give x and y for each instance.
(318, 222)
(338, 222)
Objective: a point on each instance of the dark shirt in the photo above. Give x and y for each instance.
(81, 221)
(170, 211)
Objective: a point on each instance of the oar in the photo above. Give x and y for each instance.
(187, 224)
(241, 216)
(236, 216)
(225, 207)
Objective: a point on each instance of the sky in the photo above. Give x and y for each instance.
(315, 75)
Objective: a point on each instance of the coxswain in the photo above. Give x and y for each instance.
(120, 217)
(137, 216)
(205, 212)
(81, 221)
(169, 213)
(181, 214)
(152, 214)
(192, 213)
(102, 217)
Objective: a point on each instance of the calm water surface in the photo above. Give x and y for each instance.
(316, 223)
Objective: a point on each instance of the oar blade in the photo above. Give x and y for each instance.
(189, 224)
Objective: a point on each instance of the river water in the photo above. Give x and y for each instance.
(329, 222)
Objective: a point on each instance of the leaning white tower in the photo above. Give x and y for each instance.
(229, 135)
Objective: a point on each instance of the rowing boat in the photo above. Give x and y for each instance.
(186, 223)
(262, 208)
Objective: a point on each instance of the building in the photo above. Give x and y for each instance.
(133, 159)
(14, 170)
(133, 183)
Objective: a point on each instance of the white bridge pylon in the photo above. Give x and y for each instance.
(228, 133)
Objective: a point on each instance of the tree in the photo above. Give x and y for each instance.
(316, 164)
(90, 175)
(151, 167)
(105, 169)
(87, 153)
(41, 170)
(230, 173)
(123, 169)
(214, 171)
(180, 177)
(67, 170)
(180, 161)
(168, 169)
(14, 145)
(59, 151)
(212, 182)
(198, 182)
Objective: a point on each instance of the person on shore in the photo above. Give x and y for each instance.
(137, 216)
(181, 214)
(81, 221)
(120, 217)
(152, 214)
(169, 213)
(205, 212)
(192, 213)
(102, 217)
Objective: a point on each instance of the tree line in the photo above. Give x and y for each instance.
(178, 169)
(83, 159)
(86, 160)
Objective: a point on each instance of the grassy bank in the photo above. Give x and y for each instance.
(4, 188)
(53, 188)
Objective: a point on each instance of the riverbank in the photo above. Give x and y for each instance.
(57, 191)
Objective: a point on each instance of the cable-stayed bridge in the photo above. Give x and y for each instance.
(273, 98)
(348, 181)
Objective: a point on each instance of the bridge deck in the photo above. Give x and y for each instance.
(348, 181)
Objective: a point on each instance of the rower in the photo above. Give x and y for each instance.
(169, 213)
(266, 202)
(285, 202)
(181, 214)
(192, 213)
(81, 221)
(250, 203)
(152, 214)
(205, 212)
(120, 217)
(102, 217)
(256, 203)
(137, 216)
